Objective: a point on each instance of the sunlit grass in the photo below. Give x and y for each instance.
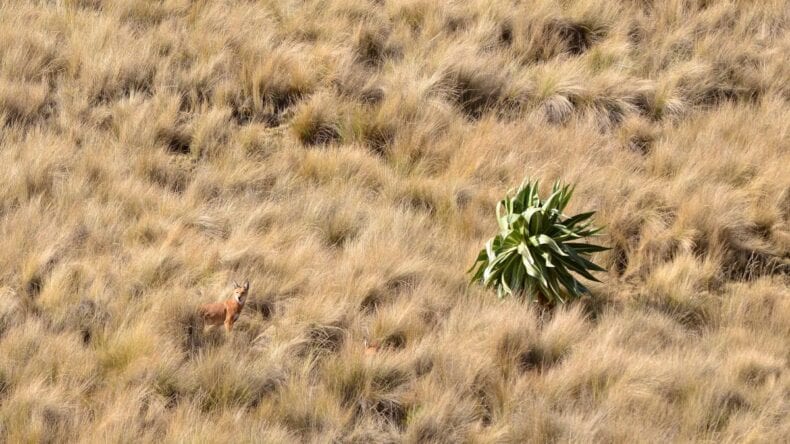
(346, 157)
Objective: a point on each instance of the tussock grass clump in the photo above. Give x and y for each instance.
(23, 103)
(371, 46)
(375, 129)
(221, 384)
(567, 36)
(270, 86)
(315, 123)
(345, 156)
(473, 88)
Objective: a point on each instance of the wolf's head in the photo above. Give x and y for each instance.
(240, 291)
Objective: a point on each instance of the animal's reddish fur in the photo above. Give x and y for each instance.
(226, 312)
(371, 347)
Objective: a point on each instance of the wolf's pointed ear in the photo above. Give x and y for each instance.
(247, 285)
(235, 284)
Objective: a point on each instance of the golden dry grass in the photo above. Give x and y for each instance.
(345, 156)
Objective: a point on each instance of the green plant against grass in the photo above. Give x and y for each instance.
(538, 248)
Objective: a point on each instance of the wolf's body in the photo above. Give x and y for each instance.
(371, 347)
(225, 312)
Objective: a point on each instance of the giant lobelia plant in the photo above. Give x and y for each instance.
(538, 248)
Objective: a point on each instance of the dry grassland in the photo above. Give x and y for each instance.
(346, 156)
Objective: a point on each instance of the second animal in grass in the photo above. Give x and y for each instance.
(226, 312)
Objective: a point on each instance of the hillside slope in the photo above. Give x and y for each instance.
(345, 156)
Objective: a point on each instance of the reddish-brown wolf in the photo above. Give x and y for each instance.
(226, 312)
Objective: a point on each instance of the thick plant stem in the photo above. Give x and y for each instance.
(543, 302)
